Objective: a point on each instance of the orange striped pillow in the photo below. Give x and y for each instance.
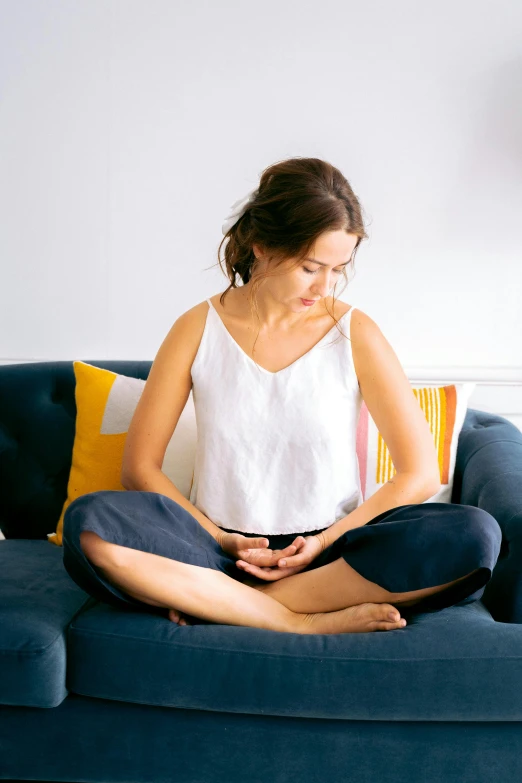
(445, 410)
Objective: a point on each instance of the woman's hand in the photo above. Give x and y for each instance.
(257, 559)
(255, 550)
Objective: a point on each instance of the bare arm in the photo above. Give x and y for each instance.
(401, 421)
(158, 411)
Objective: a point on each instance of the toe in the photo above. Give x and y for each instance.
(388, 618)
(390, 613)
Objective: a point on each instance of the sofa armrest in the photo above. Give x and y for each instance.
(489, 470)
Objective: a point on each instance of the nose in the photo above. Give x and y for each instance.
(322, 286)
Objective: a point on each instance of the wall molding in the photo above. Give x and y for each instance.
(454, 374)
(490, 375)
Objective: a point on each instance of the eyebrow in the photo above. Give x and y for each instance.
(321, 263)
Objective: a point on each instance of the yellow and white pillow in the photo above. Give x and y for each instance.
(105, 405)
(445, 410)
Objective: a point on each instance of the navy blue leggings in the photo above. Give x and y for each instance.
(403, 549)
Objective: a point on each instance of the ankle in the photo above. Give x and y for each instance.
(303, 623)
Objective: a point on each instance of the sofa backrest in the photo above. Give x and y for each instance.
(37, 426)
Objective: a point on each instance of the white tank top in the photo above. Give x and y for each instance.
(275, 451)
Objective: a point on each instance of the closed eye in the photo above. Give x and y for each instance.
(315, 271)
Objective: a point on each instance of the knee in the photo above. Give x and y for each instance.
(100, 552)
(487, 527)
(91, 504)
(483, 519)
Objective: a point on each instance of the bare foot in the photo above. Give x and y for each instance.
(362, 618)
(178, 617)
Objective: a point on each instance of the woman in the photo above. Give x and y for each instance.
(275, 534)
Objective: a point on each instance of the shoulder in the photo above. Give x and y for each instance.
(374, 358)
(187, 330)
(362, 327)
(193, 320)
(196, 316)
(364, 331)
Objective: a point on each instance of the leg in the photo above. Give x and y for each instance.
(161, 581)
(214, 596)
(337, 585)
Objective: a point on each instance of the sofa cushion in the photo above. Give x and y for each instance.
(450, 665)
(38, 599)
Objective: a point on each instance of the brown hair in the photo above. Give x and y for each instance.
(296, 201)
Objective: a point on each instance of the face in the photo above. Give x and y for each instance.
(314, 278)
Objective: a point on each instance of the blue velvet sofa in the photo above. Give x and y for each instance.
(92, 693)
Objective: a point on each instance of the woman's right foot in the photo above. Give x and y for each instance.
(361, 618)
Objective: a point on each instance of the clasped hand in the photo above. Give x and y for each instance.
(254, 556)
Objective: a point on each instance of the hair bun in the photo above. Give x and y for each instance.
(238, 209)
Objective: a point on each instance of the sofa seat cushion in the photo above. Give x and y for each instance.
(451, 665)
(38, 599)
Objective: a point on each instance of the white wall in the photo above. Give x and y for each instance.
(128, 127)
